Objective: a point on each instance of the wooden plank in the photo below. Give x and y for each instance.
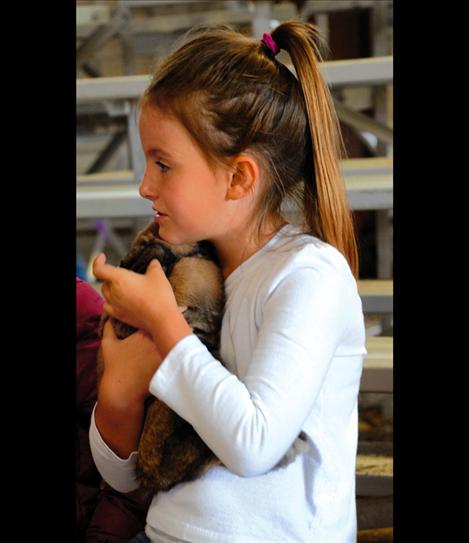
(374, 475)
(375, 287)
(374, 512)
(377, 535)
(373, 485)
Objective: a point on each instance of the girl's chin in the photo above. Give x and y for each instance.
(175, 238)
(166, 235)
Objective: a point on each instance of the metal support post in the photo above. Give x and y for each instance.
(108, 152)
(384, 241)
(137, 158)
(261, 18)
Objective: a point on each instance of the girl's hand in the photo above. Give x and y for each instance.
(129, 365)
(144, 301)
(140, 300)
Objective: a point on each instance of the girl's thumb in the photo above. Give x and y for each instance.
(154, 265)
(98, 264)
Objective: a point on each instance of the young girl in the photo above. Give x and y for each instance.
(230, 135)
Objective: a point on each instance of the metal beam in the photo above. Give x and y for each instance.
(369, 192)
(111, 201)
(361, 71)
(368, 183)
(102, 35)
(108, 152)
(122, 199)
(363, 123)
(126, 87)
(351, 168)
(367, 71)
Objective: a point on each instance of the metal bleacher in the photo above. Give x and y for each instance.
(114, 194)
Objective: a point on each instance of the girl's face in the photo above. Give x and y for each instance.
(190, 199)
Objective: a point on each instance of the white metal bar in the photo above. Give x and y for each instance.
(367, 166)
(369, 192)
(372, 71)
(126, 87)
(352, 168)
(96, 191)
(112, 201)
(92, 200)
(362, 71)
(92, 15)
(117, 177)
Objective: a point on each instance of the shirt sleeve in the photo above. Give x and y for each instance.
(250, 424)
(119, 473)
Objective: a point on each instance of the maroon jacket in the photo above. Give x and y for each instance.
(103, 514)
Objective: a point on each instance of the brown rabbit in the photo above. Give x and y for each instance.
(170, 451)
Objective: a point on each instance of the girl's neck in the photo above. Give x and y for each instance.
(238, 245)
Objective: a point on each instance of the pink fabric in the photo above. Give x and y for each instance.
(103, 515)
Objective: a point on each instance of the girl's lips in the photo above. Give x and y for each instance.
(159, 216)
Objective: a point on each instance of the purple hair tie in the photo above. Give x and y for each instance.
(269, 41)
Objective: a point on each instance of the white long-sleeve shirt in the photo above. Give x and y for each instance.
(293, 343)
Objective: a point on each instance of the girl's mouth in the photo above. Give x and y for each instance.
(159, 215)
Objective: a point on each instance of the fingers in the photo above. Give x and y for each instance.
(154, 267)
(141, 340)
(108, 331)
(106, 291)
(107, 308)
(101, 270)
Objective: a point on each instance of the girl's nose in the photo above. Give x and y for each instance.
(147, 189)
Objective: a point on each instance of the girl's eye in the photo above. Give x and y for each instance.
(163, 168)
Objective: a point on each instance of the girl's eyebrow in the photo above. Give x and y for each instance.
(159, 151)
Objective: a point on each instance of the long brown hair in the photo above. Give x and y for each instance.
(233, 96)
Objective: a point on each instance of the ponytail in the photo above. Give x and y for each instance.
(325, 203)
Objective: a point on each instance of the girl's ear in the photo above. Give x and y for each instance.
(244, 178)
